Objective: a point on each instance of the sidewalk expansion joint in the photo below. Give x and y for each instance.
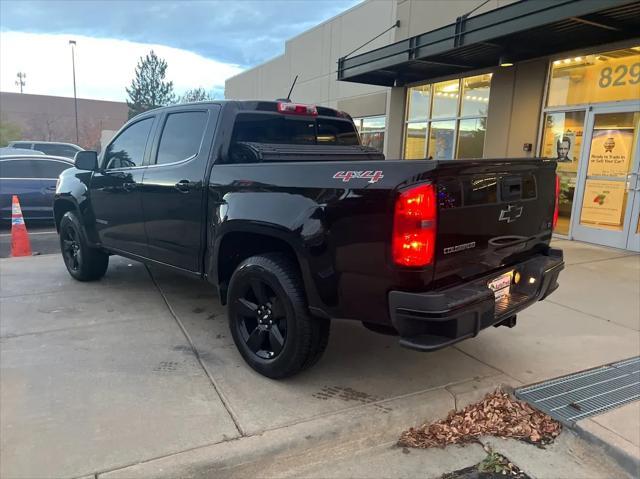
(591, 315)
(486, 364)
(196, 353)
(602, 259)
(69, 328)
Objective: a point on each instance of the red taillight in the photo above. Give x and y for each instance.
(414, 227)
(297, 109)
(557, 207)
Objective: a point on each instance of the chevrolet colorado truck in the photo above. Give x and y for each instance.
(279, 206)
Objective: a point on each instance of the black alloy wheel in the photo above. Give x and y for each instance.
(262, 319)
(71, 251)
(84, 263)
(269, 318)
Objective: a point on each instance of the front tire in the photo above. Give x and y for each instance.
(83, 262)
(269, 320)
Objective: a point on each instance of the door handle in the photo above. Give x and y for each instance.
(129, 186)
(51, 188)
(183, 186)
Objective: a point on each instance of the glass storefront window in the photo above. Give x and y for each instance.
(445, 99)
(475, 95)
(414, 141)
(602, 77)
(440, 113)
(372, 130)
(562, 140)
(441, 140)
(419, 103)
(471, 138)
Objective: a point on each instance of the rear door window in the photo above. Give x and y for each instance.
(127, 150)
(181, 136)
(66, 151)
(21, 144)
(18, 169)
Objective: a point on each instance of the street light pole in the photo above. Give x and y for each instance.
(21, 80)
(75, 98)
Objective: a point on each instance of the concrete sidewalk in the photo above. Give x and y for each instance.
(137, 376)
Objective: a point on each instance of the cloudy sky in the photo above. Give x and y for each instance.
(204, 42)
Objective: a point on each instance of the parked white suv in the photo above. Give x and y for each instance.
(52, 148)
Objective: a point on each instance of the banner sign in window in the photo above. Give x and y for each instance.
(610, 153)
(603, 202)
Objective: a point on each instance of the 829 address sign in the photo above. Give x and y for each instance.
(619, 76)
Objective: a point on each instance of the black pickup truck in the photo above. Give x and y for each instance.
(296, 223)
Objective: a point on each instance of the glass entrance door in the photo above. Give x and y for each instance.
(607, 206)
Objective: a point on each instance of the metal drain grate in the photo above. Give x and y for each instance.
(587, 393)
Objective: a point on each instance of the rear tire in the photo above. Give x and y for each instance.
(269, 319)
(83, 262)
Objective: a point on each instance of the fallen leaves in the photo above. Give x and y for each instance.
(498, 414)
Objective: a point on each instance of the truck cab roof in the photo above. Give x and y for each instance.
(273, 106)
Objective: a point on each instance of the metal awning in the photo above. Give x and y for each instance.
(522, 30)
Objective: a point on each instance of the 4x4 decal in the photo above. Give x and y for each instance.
(372, 176)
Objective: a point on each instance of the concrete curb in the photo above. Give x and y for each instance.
(593, 433)
(308, 441)
(326, 437)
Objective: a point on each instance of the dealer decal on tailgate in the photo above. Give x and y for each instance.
(372, 176)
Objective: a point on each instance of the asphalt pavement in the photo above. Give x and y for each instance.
(43, 237)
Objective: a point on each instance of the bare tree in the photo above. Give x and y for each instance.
(47, 127)
(90, 134)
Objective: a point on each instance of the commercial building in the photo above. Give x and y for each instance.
(52, 118)
(427, 79)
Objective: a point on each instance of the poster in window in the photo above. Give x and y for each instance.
(610, 153)
(441, 144)
(565, 147)
(603, 202)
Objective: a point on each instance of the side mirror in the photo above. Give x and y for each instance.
(86, 160)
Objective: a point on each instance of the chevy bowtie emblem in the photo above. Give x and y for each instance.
(511, 214)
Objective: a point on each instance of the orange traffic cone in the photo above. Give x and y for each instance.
(20, 245)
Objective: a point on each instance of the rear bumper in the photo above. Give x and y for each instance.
(434, 320)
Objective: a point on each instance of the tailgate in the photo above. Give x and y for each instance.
(491, 214)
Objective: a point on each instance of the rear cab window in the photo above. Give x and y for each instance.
(289, 130)
(336, 132)
(267, 128)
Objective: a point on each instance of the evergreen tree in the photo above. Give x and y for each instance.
(148, 89)
(195, 94)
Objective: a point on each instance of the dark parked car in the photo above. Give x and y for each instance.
(33, 178)
(296, 223)
(52, 148)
